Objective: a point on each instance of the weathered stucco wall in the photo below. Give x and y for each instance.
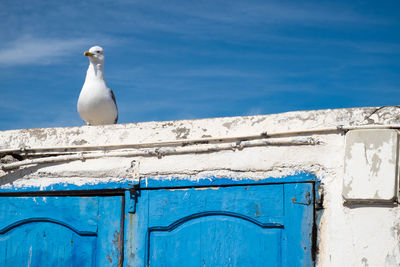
(256, 147)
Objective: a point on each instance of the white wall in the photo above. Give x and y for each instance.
(355, 235)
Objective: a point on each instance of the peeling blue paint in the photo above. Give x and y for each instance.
(70, 187)
(161, 181)
(170, 181)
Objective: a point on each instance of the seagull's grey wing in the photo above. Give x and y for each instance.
(115, 103)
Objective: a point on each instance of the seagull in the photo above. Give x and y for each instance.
(96, 103)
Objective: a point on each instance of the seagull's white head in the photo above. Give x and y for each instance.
(95, 54)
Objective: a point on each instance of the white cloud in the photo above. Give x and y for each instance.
(245, 13)
(29, 50)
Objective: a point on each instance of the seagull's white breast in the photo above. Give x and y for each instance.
(95, 104)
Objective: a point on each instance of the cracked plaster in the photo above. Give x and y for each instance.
(347, 236)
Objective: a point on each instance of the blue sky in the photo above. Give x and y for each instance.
(170, 60)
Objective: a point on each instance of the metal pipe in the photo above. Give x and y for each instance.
(160, 152)
(28, 150)
(69, 149)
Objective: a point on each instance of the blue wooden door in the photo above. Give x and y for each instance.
(258, 225)
(60, 231)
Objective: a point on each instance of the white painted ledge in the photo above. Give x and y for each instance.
(201, 129)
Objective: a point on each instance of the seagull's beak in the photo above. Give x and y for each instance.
(88, 54)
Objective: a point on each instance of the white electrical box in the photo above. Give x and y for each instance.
(370, 166)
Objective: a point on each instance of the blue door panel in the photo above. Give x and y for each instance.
(257, 225)
(263, 203)
(188, 244)
(109, 244)
(299, 219)
(58, 246)
(77, 213)
(60, 231)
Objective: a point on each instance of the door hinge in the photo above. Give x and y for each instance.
(134, 195)
(306, 200)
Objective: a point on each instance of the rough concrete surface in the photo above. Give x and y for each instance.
(362, 235)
